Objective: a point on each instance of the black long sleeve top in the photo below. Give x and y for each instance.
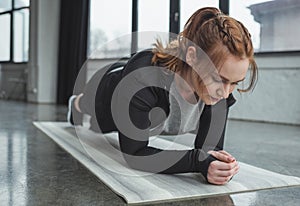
(125, 102)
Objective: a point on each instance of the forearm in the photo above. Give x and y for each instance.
(206, 126)
(142, 157)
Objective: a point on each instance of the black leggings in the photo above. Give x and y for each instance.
(97, 94)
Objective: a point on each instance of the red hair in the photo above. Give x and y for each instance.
(217, 34)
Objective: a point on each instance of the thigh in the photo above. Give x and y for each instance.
(92, 90)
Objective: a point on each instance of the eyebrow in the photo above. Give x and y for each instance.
(227, 80)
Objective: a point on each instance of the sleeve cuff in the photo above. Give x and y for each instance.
(203, 165)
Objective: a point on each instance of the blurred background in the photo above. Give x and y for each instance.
(44, 44)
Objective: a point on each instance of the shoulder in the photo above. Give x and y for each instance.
(150, 81)
(141, 68)
(139, 60)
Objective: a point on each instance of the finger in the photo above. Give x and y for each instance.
(224, 152)
(230, 158)
(225, 173)
(218, 180)
(220, 177)
(222, 157)
(219, 165)
(227, 154)
(236, 170)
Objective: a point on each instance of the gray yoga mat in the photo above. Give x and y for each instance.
(101, 156)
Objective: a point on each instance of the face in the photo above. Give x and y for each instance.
(220, 83)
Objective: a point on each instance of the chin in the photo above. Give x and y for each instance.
(212, 103)
(208, 101)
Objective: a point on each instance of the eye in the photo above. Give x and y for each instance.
(217, 79)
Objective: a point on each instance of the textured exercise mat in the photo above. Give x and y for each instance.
(100, 155)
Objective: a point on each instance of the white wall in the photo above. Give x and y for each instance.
(44, 41)
(13, 79)
(276, 97)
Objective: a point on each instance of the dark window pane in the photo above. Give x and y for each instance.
(5, 37)
(5, 5)
(21, 3)
(21, 35)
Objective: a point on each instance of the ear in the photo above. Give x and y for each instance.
(191, 56)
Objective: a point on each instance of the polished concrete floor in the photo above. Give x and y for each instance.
(35, 171)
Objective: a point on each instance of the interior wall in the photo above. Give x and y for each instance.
(276, 97)
(44, 38)
(13, 80)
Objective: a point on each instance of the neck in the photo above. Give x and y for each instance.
(183, 82)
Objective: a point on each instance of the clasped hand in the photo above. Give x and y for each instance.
(223, 169)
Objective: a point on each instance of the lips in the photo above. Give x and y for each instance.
(215, 99)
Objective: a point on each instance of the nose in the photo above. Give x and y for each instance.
(224, 91)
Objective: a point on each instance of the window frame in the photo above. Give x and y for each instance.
(11, 13)
(174, 24)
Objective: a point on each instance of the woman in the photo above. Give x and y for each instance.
(184, 87)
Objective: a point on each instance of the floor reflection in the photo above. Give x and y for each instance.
(13, 168)
(35, 171)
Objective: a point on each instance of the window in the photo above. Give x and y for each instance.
(110, 29)
(188, 7)
(5, 37)
(111, 26)
(272, 24)
(14, 36)
(153, 22)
